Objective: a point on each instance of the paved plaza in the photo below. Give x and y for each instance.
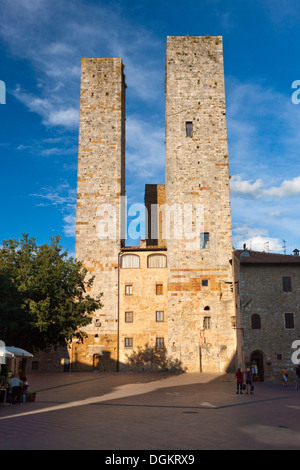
(151, 412)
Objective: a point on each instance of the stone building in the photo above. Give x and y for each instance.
(183, 299)
(173, 294)
(268, 297)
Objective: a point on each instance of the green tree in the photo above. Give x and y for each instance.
(43, 295)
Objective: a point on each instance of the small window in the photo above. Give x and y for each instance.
(207, 323)
(160, 344)
(128, 342)
(287, 284)
(204, 282)
(159, 316)
(159, 289)
(35, 365)
(130, 261)
(128, 317)
(289, 320)
(279, 357)
(128, 289)
(255, 322)
(189, 128)
(207, 307)
(204, 239)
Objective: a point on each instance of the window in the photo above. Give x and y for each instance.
(157, 261)
(204, 239)
(159, 289)
(128, 289)
(204, 282)
(255, 322)
(289, 320)
(128, 317)
(128, 342)
(189, 128)
(279, 357)
(287, 284)
(130, 261)
(207, 323)
(160, 316)
(160, 343)
(35, 365)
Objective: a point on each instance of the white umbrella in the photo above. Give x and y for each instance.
(5, 352)
(18, 352)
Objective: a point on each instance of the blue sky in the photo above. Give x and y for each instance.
(41, 45)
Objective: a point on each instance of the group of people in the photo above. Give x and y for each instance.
(16, 388)
(285, 377)
(244, 381)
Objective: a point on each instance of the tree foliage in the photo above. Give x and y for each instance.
(43, 295)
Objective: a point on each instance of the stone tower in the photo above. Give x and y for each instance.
(201, 306)
(101, 182)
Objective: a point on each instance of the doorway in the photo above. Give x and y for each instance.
(257, 359)
(96, 361)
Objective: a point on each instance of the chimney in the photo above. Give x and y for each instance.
(296, 252)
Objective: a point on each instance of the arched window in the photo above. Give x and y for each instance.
(157, 261)
(255, 322)
(130, 261)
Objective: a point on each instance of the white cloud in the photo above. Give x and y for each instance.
(256, 239)
(63, 195)
(70, 224)
(54, 40)
(145, 149)
(244, 188)
(256, 189)
(64, 198)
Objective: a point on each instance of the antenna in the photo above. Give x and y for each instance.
(284, 247)
(267, 246)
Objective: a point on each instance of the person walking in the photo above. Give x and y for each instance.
(249, 386)
(284, 377)
(239, 381)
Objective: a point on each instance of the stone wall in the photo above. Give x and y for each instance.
(101, 182)
(143, 303)
(262, 294)
(154, 204)
(197, 174)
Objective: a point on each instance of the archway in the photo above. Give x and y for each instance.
(257, 359)
(96, 361)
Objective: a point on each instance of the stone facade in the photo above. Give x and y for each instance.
(154, 210)
(101, 182)
(143, 309)
(269, 287)
(197, 300)
(200, 294)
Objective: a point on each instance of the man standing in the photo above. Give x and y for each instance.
(239, 381)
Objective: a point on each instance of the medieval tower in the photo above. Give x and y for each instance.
(200, 285)
(101, 182)
(175, 292)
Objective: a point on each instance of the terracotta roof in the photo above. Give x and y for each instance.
(251, 257)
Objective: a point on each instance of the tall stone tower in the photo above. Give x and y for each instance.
(201, 306)
(101, 182)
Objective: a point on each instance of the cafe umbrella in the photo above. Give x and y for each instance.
(18, 352)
